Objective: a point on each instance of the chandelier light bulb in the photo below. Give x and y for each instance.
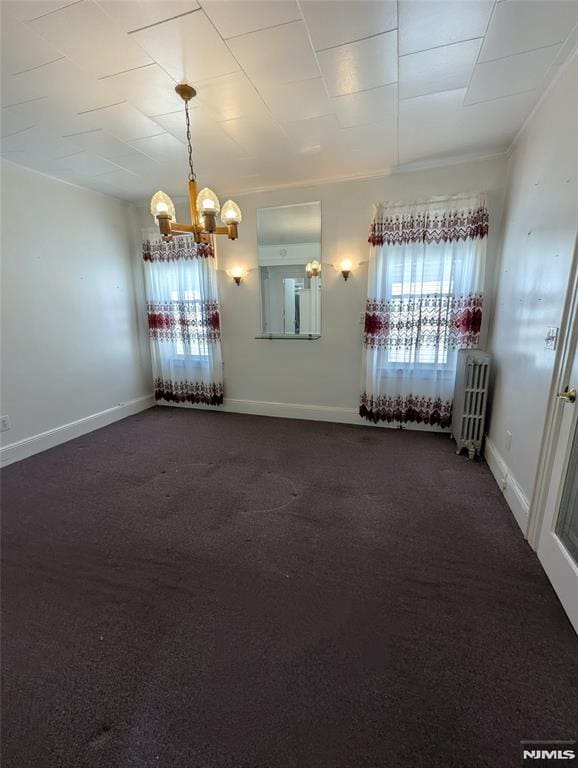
(231, 213)
(161, 204)
(207, 201)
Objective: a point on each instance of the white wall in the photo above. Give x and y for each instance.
(324, 373)
(540, 223)
(71, 347)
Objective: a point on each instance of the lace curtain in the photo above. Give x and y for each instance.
(183, 321)
(425, 302)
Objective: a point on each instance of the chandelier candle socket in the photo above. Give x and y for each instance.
(203, 206)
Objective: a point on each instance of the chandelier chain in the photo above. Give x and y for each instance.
(192, 174)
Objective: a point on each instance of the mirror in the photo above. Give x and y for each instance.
(289, 243)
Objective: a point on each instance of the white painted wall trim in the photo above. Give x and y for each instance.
(49, 439)
(513, 493)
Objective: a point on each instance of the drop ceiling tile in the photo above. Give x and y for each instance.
(23, 49)
(207, 135)
(516, 27)
(141, 165)
(425, 24)
(89, 38)
(149, 89)
(357, 66)
(230, 96)
(373, 106)
(20, 117)
(256, 137)
(163, 148)
(439, 69)
(188, 48)
(136, 14)
(31, 9)
(35, 140)
(101, 143)
(279, 55)
(123, 121)
(514, 74)
(335, 22)
(298, 101)
(314, 135)
(454, 130)
(233, 18)
(85, 163)
(65, 85)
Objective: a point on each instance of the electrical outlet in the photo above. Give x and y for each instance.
(362, 318)
(551, 338)
(508, 439)
(5, 423)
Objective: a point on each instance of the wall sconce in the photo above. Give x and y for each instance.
(313, 269)
(237, 273)
(345, 267)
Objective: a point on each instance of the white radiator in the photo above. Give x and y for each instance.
(470, 399)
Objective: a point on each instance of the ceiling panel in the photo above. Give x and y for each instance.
(89, 38)
(298, 101)
(307, 136)
(350, 20)
(123, 121)
(230, 96)
(439, 69)
(188, 48)
(102, 143)
(149, 89)
(425, 24)
(279, 55)
(361, 65)
(256, 137)
(516, 26)
(233, 18)
(373, 106)
(136, 14)
(31, 9)
(23, 49)
(65, 85)
(513, 74)
(453, 130)
(163, 148)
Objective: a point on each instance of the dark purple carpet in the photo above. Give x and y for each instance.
(188, 589)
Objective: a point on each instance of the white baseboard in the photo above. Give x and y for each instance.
(513, 493)
(293, 411)
(301, 411)
(49, 439)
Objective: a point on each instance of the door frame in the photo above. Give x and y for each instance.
(567, 340)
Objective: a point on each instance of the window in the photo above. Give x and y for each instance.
(420, 292)
(188, 315)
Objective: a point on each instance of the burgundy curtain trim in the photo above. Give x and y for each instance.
(189, 392)
(177, 249)
(446, 227)
(425, 320)
(174, 320)
(406, 408)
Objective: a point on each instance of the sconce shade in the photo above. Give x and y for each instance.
(346, 267)
(237, 273)
(207, 201)
(161, 204)
(231, 213)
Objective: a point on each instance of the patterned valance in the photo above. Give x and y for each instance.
(177, 249)
(431, 222)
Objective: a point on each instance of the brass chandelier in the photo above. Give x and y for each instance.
(204, 206)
